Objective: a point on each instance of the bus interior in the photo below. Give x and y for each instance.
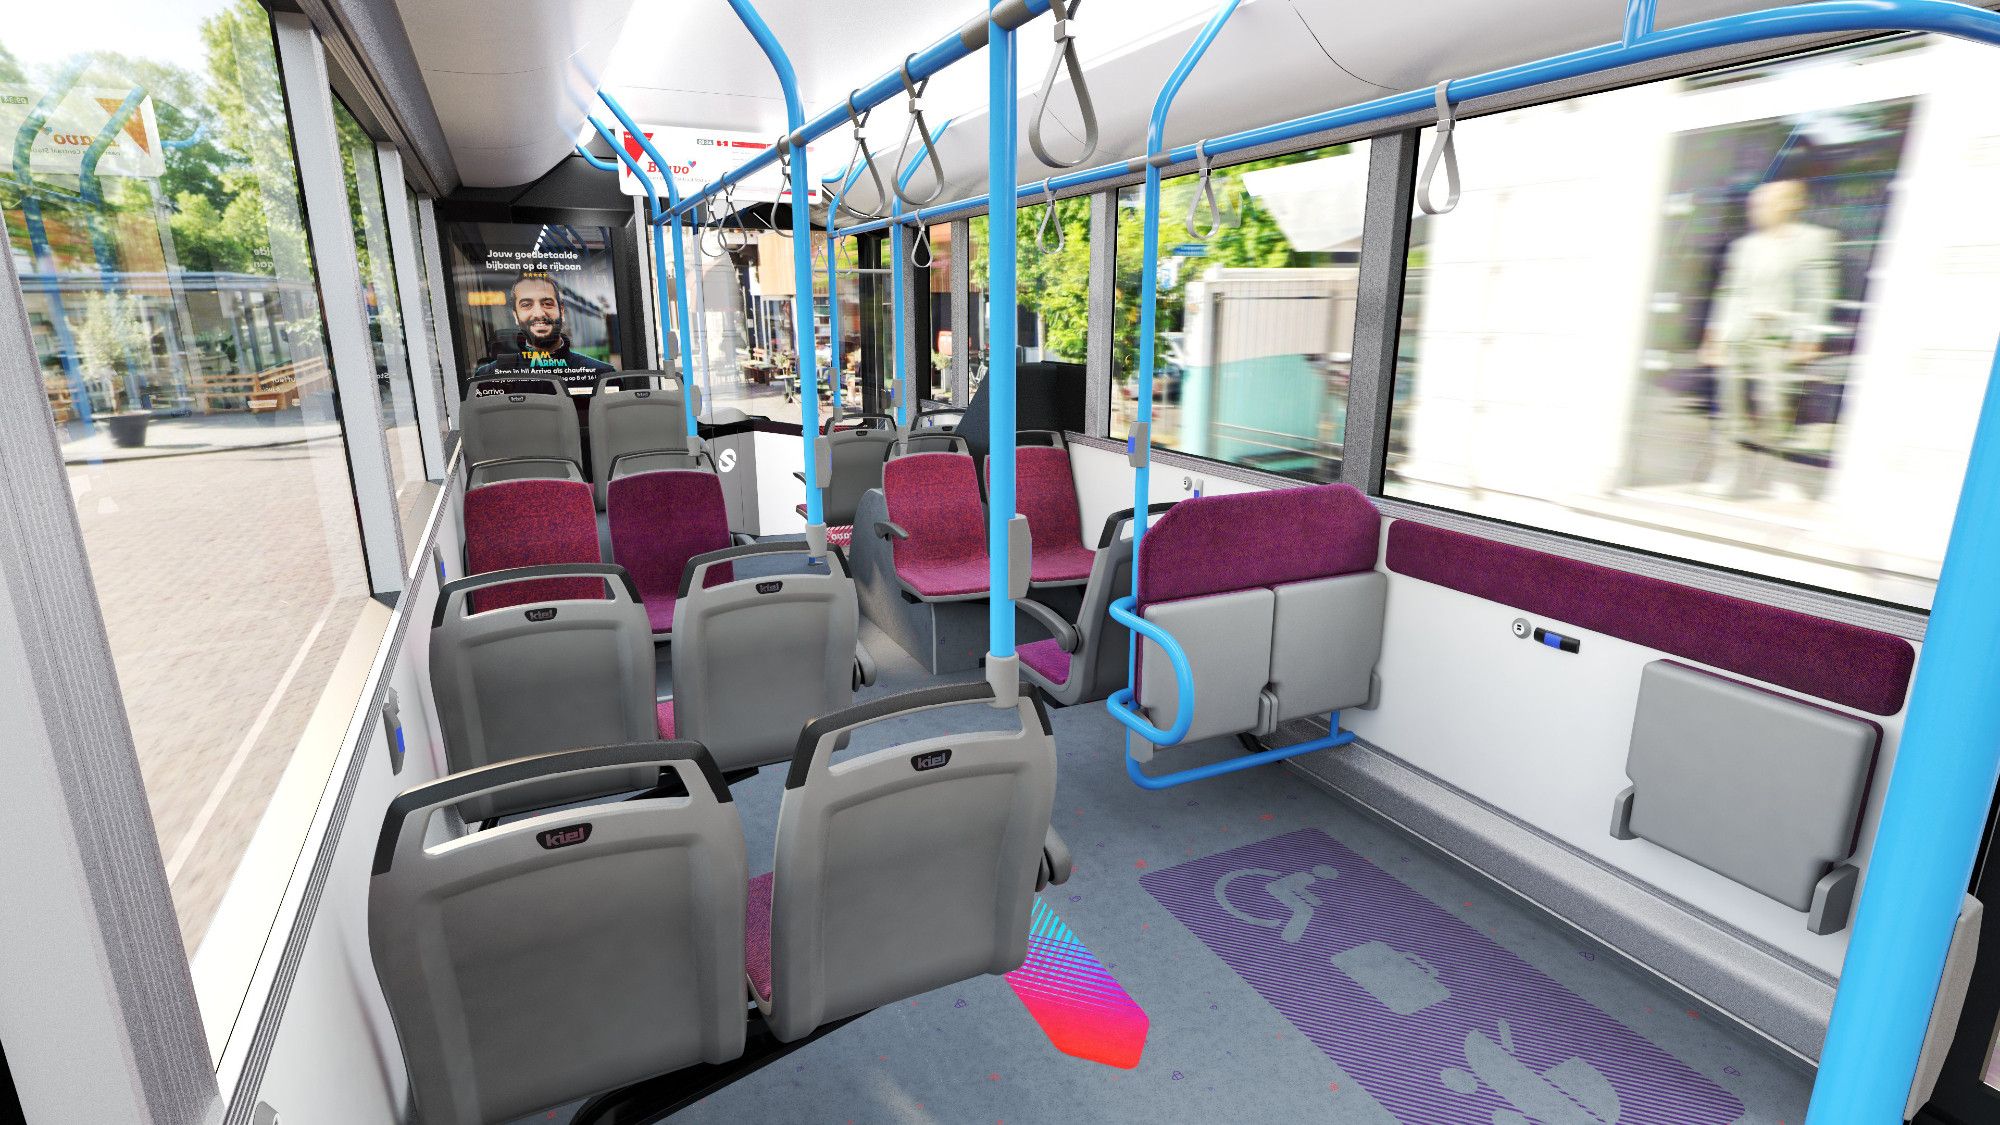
(1024, 561)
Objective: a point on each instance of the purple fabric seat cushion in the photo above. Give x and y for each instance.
(1045, 492)
(518, 523)
(757, 934)
(1047, 658)
(1214, 544)
(664, 711)
(935, 497)
(659, 521)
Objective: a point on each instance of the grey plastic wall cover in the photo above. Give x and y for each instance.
(1760, 787)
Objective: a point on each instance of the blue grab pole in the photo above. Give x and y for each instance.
(1001, 143)
(1932, 817)
(1638, 20)
(788, 80)
(1149, 265)
(682, 323)
(659, 243)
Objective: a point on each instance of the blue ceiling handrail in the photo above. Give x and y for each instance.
(898, 278)
(671, 218)
(592, 158)
(802, 332)
(1009, 15)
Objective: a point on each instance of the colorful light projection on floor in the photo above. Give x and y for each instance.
(1080, 1008)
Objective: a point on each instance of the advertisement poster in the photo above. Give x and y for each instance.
(535, 299)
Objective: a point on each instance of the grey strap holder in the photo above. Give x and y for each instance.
(858, 120)
(1138, 444)
(1065, 56)
(1207, 191)
(1048, 219)
(915, 90)
(1446, 148)
(1020, 556)
(823, 460)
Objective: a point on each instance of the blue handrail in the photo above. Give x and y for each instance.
(1002, 666)
(1121, 701)
(673, 218)
(954, 46)
(801, 177)
(659, 256)
(592, 158)
(898, 279)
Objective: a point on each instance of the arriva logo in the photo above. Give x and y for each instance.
(563, 837)
(728, 460)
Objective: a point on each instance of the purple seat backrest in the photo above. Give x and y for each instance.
(935, 497)
(1215, 544)
(517, 523)
(1045, 492)
(660, 520)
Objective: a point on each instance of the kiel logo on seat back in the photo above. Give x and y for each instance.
(930, 761)
(546, 613)
(769, 587)
(563, 837)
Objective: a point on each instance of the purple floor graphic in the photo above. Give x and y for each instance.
(1440, 1024)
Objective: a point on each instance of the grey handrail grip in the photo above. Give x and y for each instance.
(694, 401)
(453, 593)
(918, 126)
(1119, 518)
(1048, 217)
(698, 455)
(1065, 56)
(1020, 556)
(823, 459)
(597, 388)
(1444, 148)
(511, 774)
(698, 565)
(859, 119)
(490, 462)
(477, 383)
(1066, 636)
(820, 730)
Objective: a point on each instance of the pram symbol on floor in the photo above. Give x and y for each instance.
(1572, 1092)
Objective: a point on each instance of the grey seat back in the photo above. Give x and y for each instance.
(517, 426)
(759, 657)
(854, 464)
(628, 420)
(908, 868)
(543, 676)
(570, 953)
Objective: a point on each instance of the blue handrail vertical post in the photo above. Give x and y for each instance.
(1003, 669)
(795, 118)
(1638, 20)
(673, 216)
(659, 243)
(1932, 817)
(1141, 440)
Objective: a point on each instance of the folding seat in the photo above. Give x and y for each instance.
(636, 429)
(903, 869)
(545, 674)
(1084, 661)
(660, 520)
(539, 962)
(1275, 600)
(1045, 492)
(519, 434)
(936, 526)
(517, 523)
(851, 460)
(757, 658)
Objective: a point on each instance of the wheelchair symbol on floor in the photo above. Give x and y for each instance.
(1293, 892)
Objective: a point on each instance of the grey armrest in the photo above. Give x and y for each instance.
(742, 538)
(799, 475)
(1065, 633)
(864, 667)
(1056, 862)
(890, 530)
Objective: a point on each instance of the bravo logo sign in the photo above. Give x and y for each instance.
(110, 121)
(698, 156)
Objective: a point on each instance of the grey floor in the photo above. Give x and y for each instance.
(1216, 1050)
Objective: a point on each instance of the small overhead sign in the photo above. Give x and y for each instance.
(86, 117)
(1190, 250)
(699, 156)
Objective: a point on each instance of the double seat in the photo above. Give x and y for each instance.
(584, 949)
(1255, 609)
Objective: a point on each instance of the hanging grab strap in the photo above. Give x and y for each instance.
(1065, 56)
(785, 178)
(922, 239)
(917, 126)
(858, 119)
(1207, 191)
(1048, 216)
(1443, 147)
